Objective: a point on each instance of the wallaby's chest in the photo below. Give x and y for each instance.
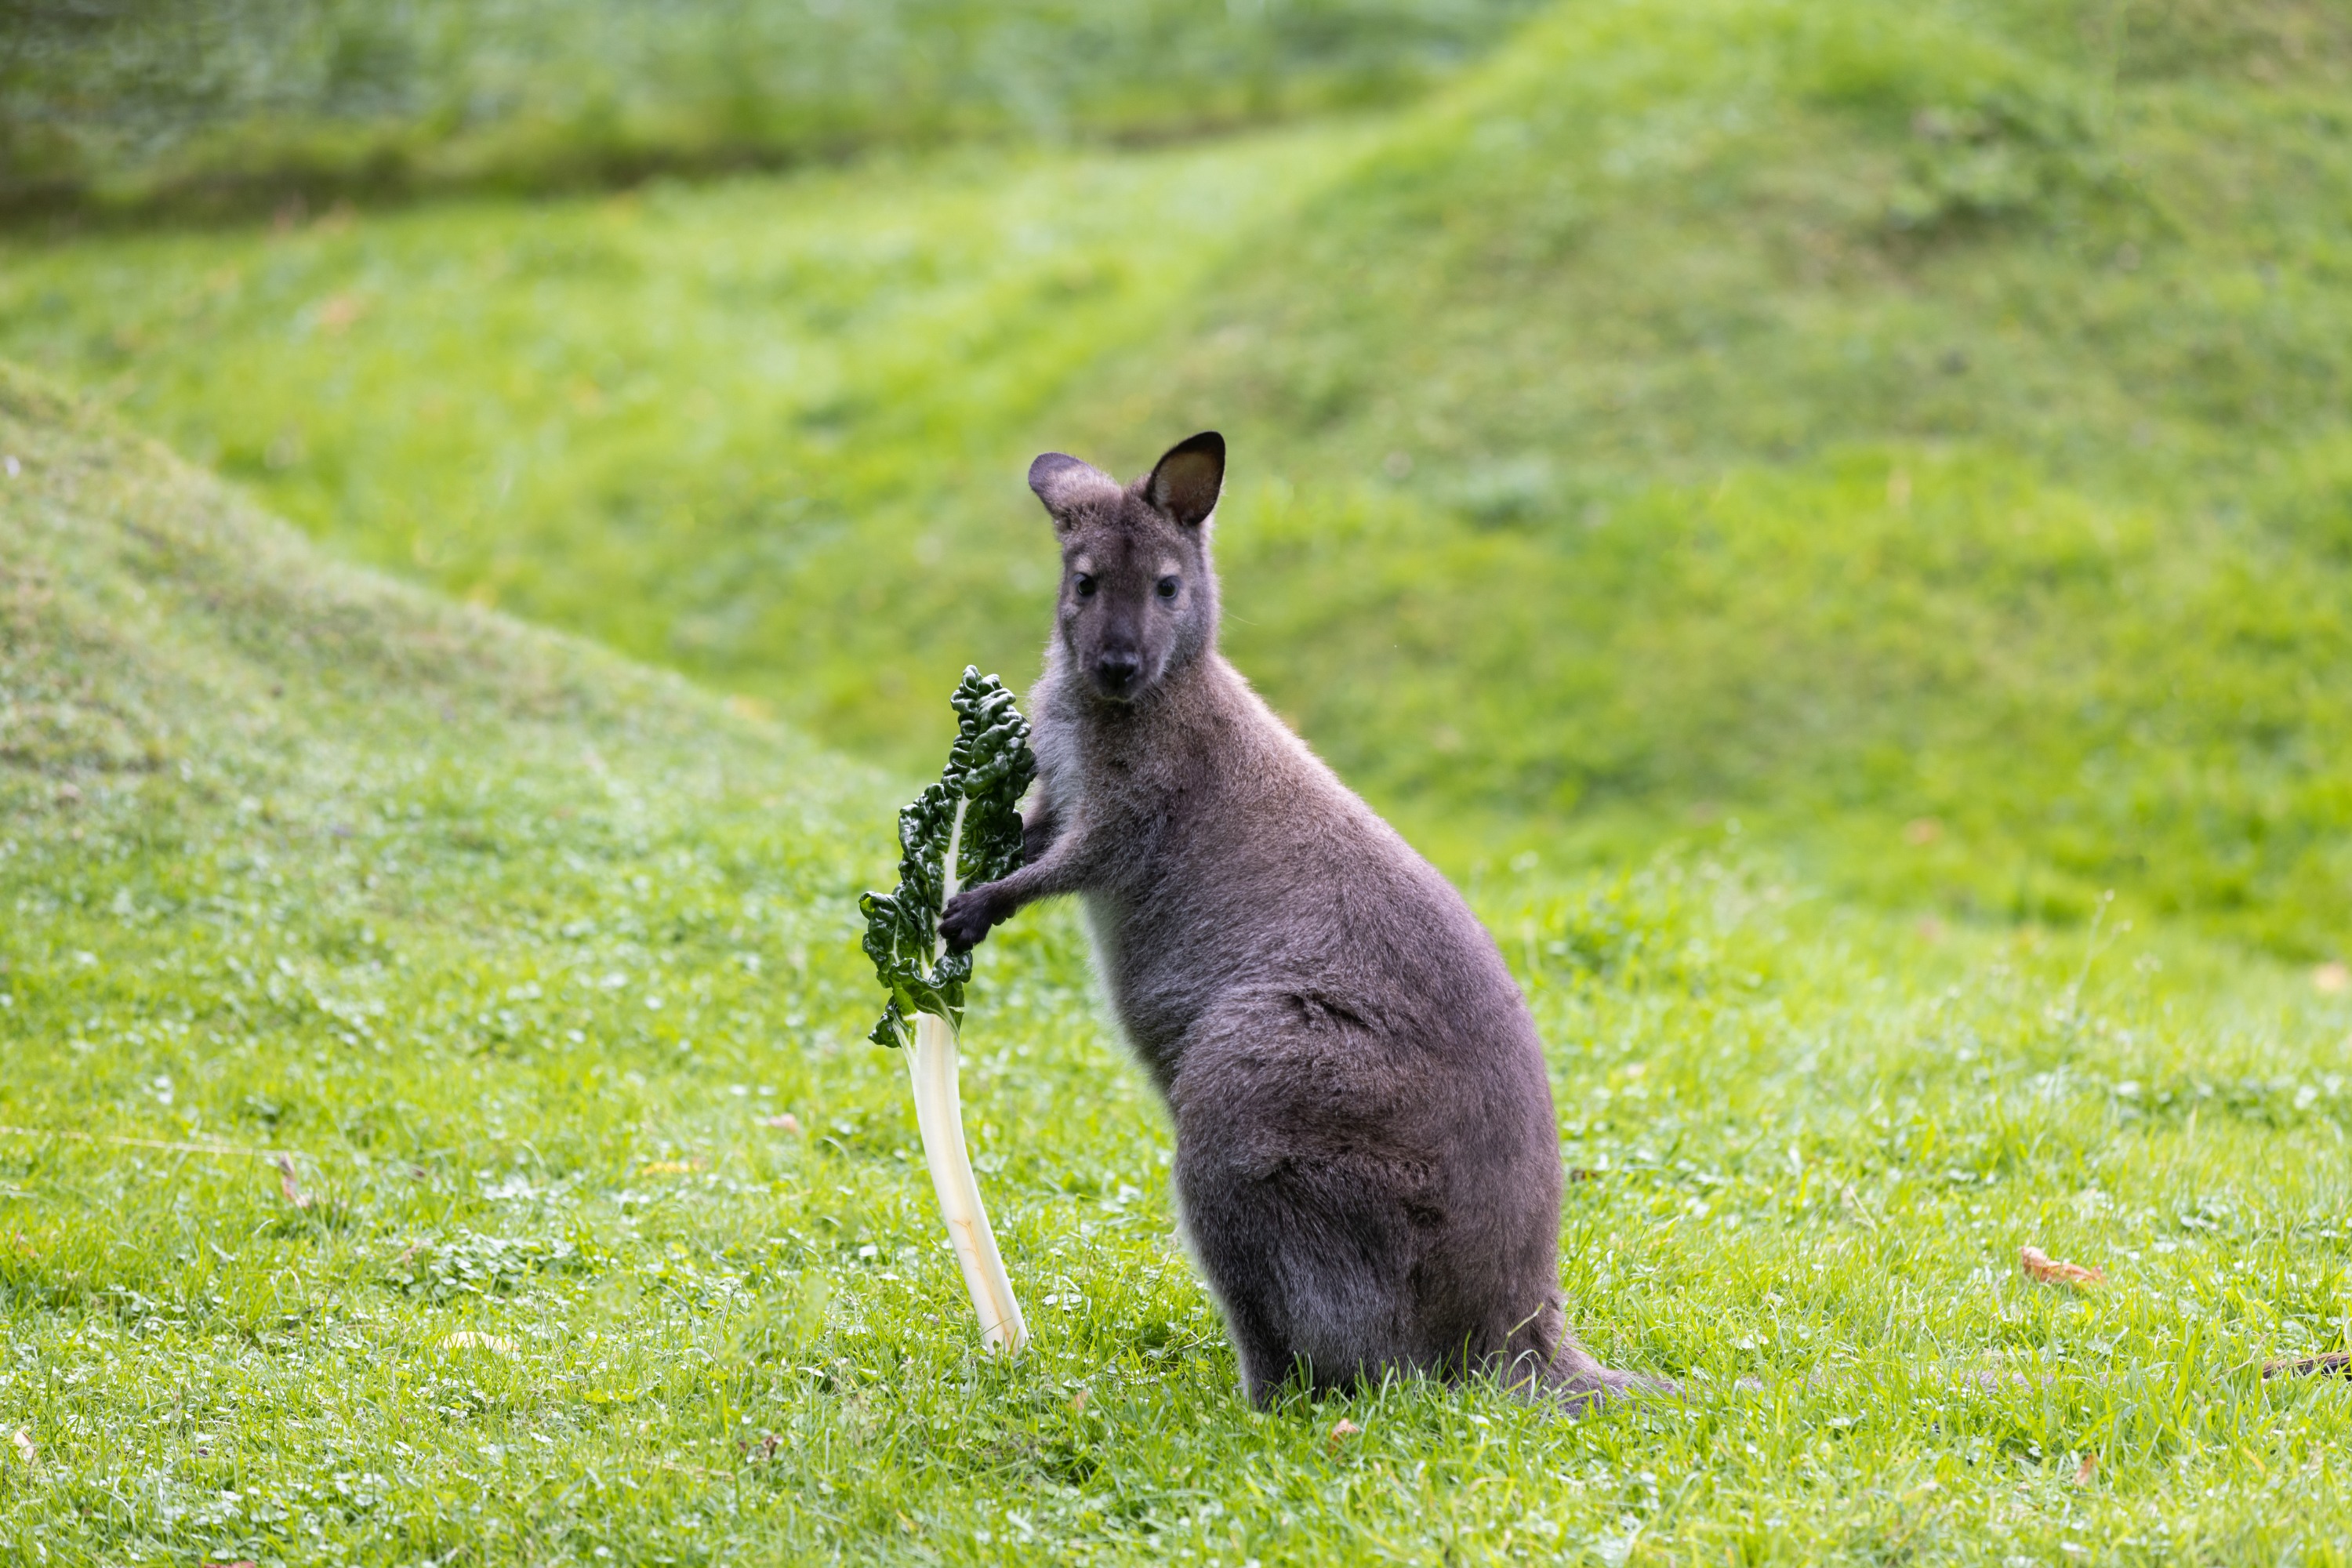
(1135, 795)
(1126, 787)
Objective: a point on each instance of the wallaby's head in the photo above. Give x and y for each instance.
(1138, 598)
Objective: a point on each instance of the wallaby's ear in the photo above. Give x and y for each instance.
(1063, 482)
(1185, 483)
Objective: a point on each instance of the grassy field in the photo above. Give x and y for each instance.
(1833, 522)
(520, 955)
(1843, 419)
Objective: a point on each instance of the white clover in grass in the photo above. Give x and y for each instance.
(963, 830)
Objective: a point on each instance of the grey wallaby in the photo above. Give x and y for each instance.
(1366, 1155)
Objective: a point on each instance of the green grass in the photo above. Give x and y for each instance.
(1883, 473)
(214, 108)
(516, 948)
(679, 391)
(1838, 415)
(1838, 418)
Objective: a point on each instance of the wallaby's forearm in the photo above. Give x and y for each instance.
(1064, 869)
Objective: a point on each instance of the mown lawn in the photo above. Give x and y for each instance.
(1831, 523)
(520, 955)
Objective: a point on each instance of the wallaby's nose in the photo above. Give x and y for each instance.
(1117, 669)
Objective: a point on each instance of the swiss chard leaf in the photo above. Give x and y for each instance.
(988, 770)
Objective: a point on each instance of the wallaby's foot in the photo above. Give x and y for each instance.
(1581, 1397)
(967, 918)
(1583, 1384)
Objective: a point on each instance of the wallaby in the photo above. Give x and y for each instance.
(1366, 1157)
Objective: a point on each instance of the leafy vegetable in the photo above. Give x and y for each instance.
(962, 830)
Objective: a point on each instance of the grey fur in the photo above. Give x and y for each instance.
(1366, 1154)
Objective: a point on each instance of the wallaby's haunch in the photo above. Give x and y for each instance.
(1365, 1152)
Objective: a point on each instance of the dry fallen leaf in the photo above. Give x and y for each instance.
(474, 1339)
(2039, 1265)
(1343, 1428)
(288, 1185)
(26, 1447)
(2087, 1469)
(671, 1167)
(787, 1122)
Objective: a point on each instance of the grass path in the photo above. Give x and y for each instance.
(522, 953)
(731, 399)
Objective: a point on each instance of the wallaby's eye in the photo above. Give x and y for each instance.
(1085, 586)
(1167, 587)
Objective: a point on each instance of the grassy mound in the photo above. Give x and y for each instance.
(1661, 242)
(1843, 417)
(517, 954)
(1919, 433)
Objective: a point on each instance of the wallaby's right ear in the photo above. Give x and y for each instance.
(1065, 484)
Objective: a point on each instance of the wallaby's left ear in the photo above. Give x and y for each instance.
(1185, 483)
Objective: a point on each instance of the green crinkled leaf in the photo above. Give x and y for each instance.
(988, 770)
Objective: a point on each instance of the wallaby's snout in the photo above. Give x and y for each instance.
(1123, 635)
(1110, 625)
(1116, 670)
(1139, 597)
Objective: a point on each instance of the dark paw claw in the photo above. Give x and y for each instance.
(964, 922)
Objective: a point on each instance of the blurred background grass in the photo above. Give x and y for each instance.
(227, 105)
(1913, 436)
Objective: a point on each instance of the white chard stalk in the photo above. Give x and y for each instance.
(964, 829)
(940, 1117)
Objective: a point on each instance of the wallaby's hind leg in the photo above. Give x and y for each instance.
(1308, 1280)
(1266, 1366)
(1302, 1288)
(1542, 1360)
(1291, 1307)
(1245, 1291)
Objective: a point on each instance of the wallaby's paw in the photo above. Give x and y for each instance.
(966, 919)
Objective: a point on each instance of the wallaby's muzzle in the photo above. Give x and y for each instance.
(1118, 673)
